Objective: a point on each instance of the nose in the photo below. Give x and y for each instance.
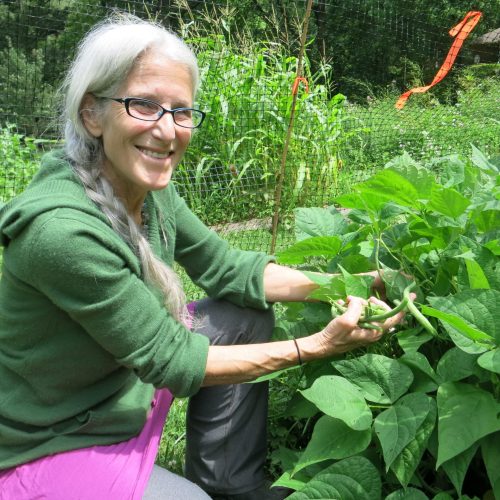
(165, 128)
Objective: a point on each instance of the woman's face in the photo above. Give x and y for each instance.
(140, 156)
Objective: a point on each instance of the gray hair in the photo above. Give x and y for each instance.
(104, 59)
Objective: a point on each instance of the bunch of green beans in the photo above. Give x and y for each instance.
(373, 314)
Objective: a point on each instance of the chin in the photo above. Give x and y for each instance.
(158, 185)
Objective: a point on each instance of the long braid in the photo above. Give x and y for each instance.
(156, 272)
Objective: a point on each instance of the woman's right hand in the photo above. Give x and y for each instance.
(343, 333)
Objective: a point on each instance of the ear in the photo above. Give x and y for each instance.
(90, 118)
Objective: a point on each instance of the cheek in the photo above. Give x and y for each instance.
(123, 130)
(185, 138)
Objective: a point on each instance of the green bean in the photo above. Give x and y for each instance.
(412, 308)
(369, 326)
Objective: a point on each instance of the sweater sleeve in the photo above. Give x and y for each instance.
(95, 278)
(223, 272)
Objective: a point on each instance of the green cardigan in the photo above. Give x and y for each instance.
(83, 341)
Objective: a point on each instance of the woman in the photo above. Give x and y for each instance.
(94, 338)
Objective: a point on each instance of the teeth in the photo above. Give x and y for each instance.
(153, 154)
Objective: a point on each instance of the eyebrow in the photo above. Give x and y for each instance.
(151, 97)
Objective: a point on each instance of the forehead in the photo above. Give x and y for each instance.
(155, 75)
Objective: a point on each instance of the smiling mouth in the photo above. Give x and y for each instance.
(154, 154)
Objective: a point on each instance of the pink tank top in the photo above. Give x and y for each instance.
(112, 472)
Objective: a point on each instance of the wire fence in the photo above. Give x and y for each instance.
(359, 57)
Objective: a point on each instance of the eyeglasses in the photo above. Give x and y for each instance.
(151, 111)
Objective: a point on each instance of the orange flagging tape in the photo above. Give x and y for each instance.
(295, 87)
(460, 32)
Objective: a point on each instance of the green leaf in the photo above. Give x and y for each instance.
(411, 339)
(490, 361)
(318, 222)
(407, 494)
(358, 286)
(480, 160)
(318, 278)
(490, 447)
(425, 380)
(397, 426)
(358, 204)
(455, 365)
(355, 263)
(285, 457)
(299, 407)
(357, 213)
(448, 201)
(319, 246)
(395, 282)
(332, 439)
(391, 210)
(317, 312)
(339, 398)
(443, 496)
(333, 290)
(406, 463)
(287, 481)
(456, 320)
(452, 170)
(487, 220)
(493, 246)
(380, 379)
(457, 467)
(421, 178)
(402, 163)
(467, 249)
(459, 403)
(477, 278)
(354, 478)
(388, 186)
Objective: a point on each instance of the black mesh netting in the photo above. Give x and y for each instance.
(359, 57)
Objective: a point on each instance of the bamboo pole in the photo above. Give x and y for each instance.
(281, 174)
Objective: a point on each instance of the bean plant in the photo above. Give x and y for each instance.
(415, 415)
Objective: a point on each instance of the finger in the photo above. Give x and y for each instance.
(357, 299)
(370, 335)
(378, 302)
(354, 310)
(391, 323)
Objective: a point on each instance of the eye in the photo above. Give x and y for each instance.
(183, 113)
(144, 107)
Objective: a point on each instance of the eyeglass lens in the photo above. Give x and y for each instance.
(151, 111)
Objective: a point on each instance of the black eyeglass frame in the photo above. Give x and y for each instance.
(126, 101)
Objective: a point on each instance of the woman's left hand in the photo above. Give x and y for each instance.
(378, 285)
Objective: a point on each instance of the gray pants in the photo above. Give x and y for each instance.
(226, 439)
(163, 485)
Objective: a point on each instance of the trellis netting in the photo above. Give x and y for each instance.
(359, 57)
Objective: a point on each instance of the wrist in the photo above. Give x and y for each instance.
(312, 347)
